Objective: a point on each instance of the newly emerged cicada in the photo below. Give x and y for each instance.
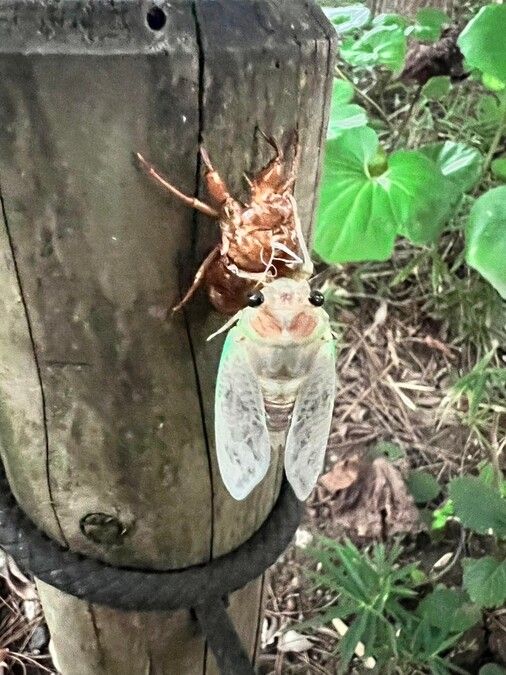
(281, 353)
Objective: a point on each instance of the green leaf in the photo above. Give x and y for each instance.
(390, 19)
(348, 18)
(348, 116)
(482, 41)
(350, 640)
(391, 451)
(423, 486)
(490, 109)
(382, 45)
(448, 609)
(343, 114)
(459, 162)
(478, 506)
(487, 476)
(367, 198)
(492, 669)
(342, 91)
(429, 24)
(498, 168)
(441, 515)
(493, 83)
(485, 580)
(436, 88)
(418, 577)
(486, 237)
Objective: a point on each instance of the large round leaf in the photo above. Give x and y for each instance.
(349, 18)
(486, 237)
(342, 91)
(382, 45)
(483, 41)
(390, 19)
(365, 203)
(348, 116)
(457, 161)
(498, 168)
(429, 24)
(436, 88)
(343, 114)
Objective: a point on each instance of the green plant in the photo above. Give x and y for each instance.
(486, 237)
(478, 397)
(416, 170)
(373, 192)
(479, 503)
(380, 598)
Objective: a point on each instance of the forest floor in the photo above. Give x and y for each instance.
(403, 346)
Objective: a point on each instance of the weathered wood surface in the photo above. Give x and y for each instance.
(409, 7)
(106, 422)
(91, 640)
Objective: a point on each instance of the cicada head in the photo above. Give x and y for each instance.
(285, 311)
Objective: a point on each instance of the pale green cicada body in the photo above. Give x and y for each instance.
(281, 353)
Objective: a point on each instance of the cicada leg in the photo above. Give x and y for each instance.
(216, 186)
(307, 266)
(192, 202)
(199, 277)
(270, 177)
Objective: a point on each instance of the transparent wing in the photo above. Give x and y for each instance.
(310, 426)
(242, 440)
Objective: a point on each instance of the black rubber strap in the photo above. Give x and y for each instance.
(201, 587)
(223, 639)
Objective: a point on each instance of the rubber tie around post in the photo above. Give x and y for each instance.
(201, 587)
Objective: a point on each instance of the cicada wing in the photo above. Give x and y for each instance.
(242, 440)
(310, 425)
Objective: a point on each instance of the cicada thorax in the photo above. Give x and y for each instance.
(255, 238)
(251, 245)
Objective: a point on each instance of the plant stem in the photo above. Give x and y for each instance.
(494, 146)
(405, 121)
(494, 451)
(367, 98)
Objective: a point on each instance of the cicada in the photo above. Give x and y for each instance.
(260, 240)
(280, 354)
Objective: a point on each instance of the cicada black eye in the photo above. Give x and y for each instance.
(316, 298)
(255, 299)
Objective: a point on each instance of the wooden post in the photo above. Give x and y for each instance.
(106, 425)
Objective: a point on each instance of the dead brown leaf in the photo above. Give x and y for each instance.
(342, 475)
(378, 505)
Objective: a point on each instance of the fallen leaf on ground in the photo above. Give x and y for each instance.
(377, 505)
(16, 581)
(292, 641)
(303, 538)
(342, 475)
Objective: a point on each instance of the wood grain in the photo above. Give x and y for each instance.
(106, 401)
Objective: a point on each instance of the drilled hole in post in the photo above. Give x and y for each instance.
(155, 18)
